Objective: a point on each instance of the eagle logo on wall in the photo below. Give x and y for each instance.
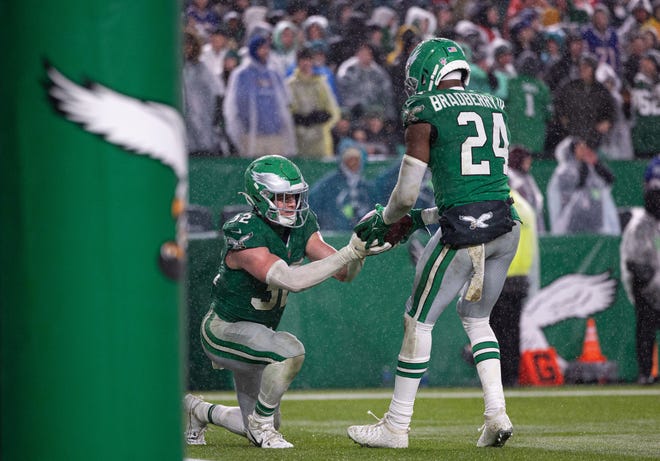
(141, 127)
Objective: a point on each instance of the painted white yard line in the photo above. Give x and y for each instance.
(436, 394)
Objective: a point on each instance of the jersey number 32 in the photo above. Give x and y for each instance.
(274, 297)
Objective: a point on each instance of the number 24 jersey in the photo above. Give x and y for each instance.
(469, 156)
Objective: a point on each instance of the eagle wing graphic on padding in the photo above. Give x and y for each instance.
(570, 296)
(144, 127)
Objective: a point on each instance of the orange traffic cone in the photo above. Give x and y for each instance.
(591, 348)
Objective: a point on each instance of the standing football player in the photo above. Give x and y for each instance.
(462, 137)
(260, 264)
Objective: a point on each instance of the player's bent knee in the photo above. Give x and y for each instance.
(291, 366)
(296, 362)
(289, 345)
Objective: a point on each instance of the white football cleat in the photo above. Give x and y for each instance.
(379, 435)
(496, 430)
(264, 434)
(195, 427)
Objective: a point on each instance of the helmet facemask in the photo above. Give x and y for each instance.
(413, 74)
(410, 86)
(293, 209)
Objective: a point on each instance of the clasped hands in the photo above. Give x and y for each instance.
(370, 234)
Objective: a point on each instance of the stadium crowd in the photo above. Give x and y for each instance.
(580, 78)
(331, 70)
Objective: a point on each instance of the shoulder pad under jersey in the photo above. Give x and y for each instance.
(245, 230)
(416, 109)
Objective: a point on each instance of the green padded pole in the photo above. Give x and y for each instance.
(90, 326)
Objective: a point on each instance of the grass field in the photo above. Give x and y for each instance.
(568, 423)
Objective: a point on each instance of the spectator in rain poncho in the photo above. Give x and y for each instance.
(254, 21)
(640, 11)
(320, 58)
(315, 29)
(362, 83)
(579, 192)
(344, 196)
(387, 21)
(314, 109)
(640, 269)
(423, 20)
(617, 143)
(285, 47)
(521, 180)
(256, 106)
(201, 95)
(213, 52)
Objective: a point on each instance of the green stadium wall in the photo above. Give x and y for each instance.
(352, 332)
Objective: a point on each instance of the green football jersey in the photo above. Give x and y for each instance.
(469, 156)
(646, 117)
(529, 107)
(237, 295)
